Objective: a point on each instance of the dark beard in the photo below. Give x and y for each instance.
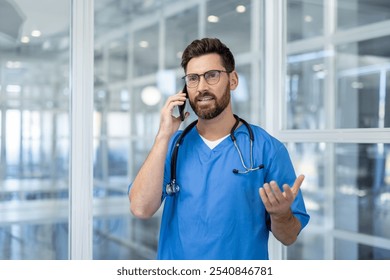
(212, 111)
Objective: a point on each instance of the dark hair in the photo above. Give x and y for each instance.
(207, 46)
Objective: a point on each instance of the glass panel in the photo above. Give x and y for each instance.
(363, 84)
(117, 160)
(353, 13)
(147, 117)
(230, 22)
(309, 246)
(41, 244)
(305, 91)
(181, 29)
(304, 19)
(386, 106)
(115, 118)
(350, 250)
(118, 60)
(140, 242)
(146, 51)
(362, 197)
(242, 95)
(310, 159)
(34, 78)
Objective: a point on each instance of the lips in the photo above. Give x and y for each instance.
(205, 98)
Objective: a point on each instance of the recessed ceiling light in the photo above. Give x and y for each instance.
(25, 39)
(144, 44)
(212, 19)
(240, 9)
(36, 33)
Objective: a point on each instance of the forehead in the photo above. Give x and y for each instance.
(205, 63)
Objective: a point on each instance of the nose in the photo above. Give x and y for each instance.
(202, 83)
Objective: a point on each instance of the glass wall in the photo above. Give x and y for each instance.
(34, 129)
(338, 100)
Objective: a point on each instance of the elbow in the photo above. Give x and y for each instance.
(140, 212)
(289, 241)
(143, 208)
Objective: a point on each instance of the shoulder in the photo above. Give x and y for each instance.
(276, 156)
(262, 136)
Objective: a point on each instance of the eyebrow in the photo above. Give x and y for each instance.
(207, 71)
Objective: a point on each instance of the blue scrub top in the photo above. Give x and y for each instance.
(218, 214)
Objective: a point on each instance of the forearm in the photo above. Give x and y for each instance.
(145, 193)
(285, 227)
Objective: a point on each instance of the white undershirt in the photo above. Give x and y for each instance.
(213, 144)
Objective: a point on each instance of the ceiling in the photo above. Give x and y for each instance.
(19, 18)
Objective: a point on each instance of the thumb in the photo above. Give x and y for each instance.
(297, 184)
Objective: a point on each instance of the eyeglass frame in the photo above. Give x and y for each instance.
(199, 75)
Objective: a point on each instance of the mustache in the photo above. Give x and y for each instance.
(205, 94)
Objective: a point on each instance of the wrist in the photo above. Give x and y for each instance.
(282, 217)
(163, 136)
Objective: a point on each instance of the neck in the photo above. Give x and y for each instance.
(217, 127)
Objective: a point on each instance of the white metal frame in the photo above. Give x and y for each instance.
(81, 120)
(274, 82)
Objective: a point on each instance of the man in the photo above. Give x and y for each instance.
(228, 197)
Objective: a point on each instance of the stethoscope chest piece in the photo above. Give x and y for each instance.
(172, 188)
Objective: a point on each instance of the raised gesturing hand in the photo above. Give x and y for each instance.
(277, 202)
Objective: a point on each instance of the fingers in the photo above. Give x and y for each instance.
(271, 194)
(175, 100)
(264, 198)
(169, 123)
(297, 184)
(273, 199)
(289, 195)
(172, 102)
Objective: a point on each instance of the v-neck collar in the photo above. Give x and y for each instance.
(203, 147)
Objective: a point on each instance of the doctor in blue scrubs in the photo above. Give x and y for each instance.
(225, 185)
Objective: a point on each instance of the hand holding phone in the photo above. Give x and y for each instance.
(182, 107)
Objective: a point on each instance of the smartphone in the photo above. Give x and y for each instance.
(182, 107)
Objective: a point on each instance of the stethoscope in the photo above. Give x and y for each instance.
(172, 187)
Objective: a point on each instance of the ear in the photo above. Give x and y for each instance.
(233, 79)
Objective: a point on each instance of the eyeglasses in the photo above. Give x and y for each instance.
(211, 77)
